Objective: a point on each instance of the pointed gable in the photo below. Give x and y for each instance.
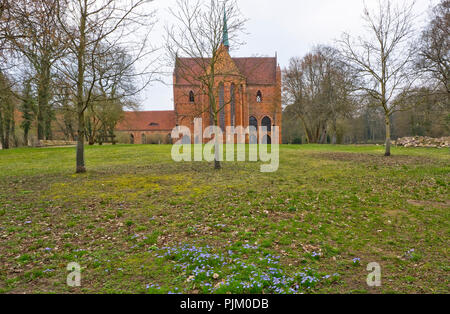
(226, 65)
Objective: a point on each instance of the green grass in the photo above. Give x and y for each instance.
(138, 222)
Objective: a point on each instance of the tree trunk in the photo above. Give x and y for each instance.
(40, 121)
(80, 95)
(80, 144)
(6, 137)
(48, 123)
(13, 131)
(217, 164)
(25, 137)
(334, 138)
(323, 136)
(388, 137)
(2, 134)
(214, 119)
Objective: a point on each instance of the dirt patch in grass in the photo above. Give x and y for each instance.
(379, 160)
(320, 210)
(445, 204)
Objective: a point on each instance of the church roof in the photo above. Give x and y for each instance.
(257, 71)
(147, 121)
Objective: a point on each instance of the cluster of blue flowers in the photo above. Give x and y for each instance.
(409, 254)
(248, 246)
(230, 273)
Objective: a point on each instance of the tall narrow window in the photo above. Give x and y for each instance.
(259, 96)
(253, 137)
(267, 123)
(221, 106)
(253, 122)
(191, 96)
(233, 105)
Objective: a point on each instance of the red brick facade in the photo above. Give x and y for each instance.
(256, 83)
(142, 126)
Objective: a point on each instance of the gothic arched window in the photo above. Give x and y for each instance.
(233, 105)
(253, 122)
(259, 96)
(253, 137)
(191, 96)
(267, 123)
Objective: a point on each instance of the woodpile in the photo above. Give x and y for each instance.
(421, 141)
(48, 143)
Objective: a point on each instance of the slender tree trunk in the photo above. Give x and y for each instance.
(214, 119)
(7, 128)
(334, 138)
(305, 128)
(25, 137)
(2, 134)
(48, 123)
(44, 112)
(81, 168)
(45, 99)
(323, 136)
(388, 136)
(80, 144)
(40, 120)
(13, 131)
(217, 164)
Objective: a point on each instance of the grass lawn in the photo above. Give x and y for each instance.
(138, 222)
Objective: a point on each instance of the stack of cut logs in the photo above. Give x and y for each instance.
(48, 143)
(421, 141)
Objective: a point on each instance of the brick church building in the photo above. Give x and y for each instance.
(248, 91)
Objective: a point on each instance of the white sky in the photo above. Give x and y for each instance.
(288, 27)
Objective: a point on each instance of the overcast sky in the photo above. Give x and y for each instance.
(288, 27)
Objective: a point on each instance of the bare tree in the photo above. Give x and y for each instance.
(65, 108)
(112, 92)
(34, 34)
(4, 23)
(383, 59)
(198, 46)
(93, 28)
(28, 109)
(7, 108)
(317, 91)
(434, 55)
